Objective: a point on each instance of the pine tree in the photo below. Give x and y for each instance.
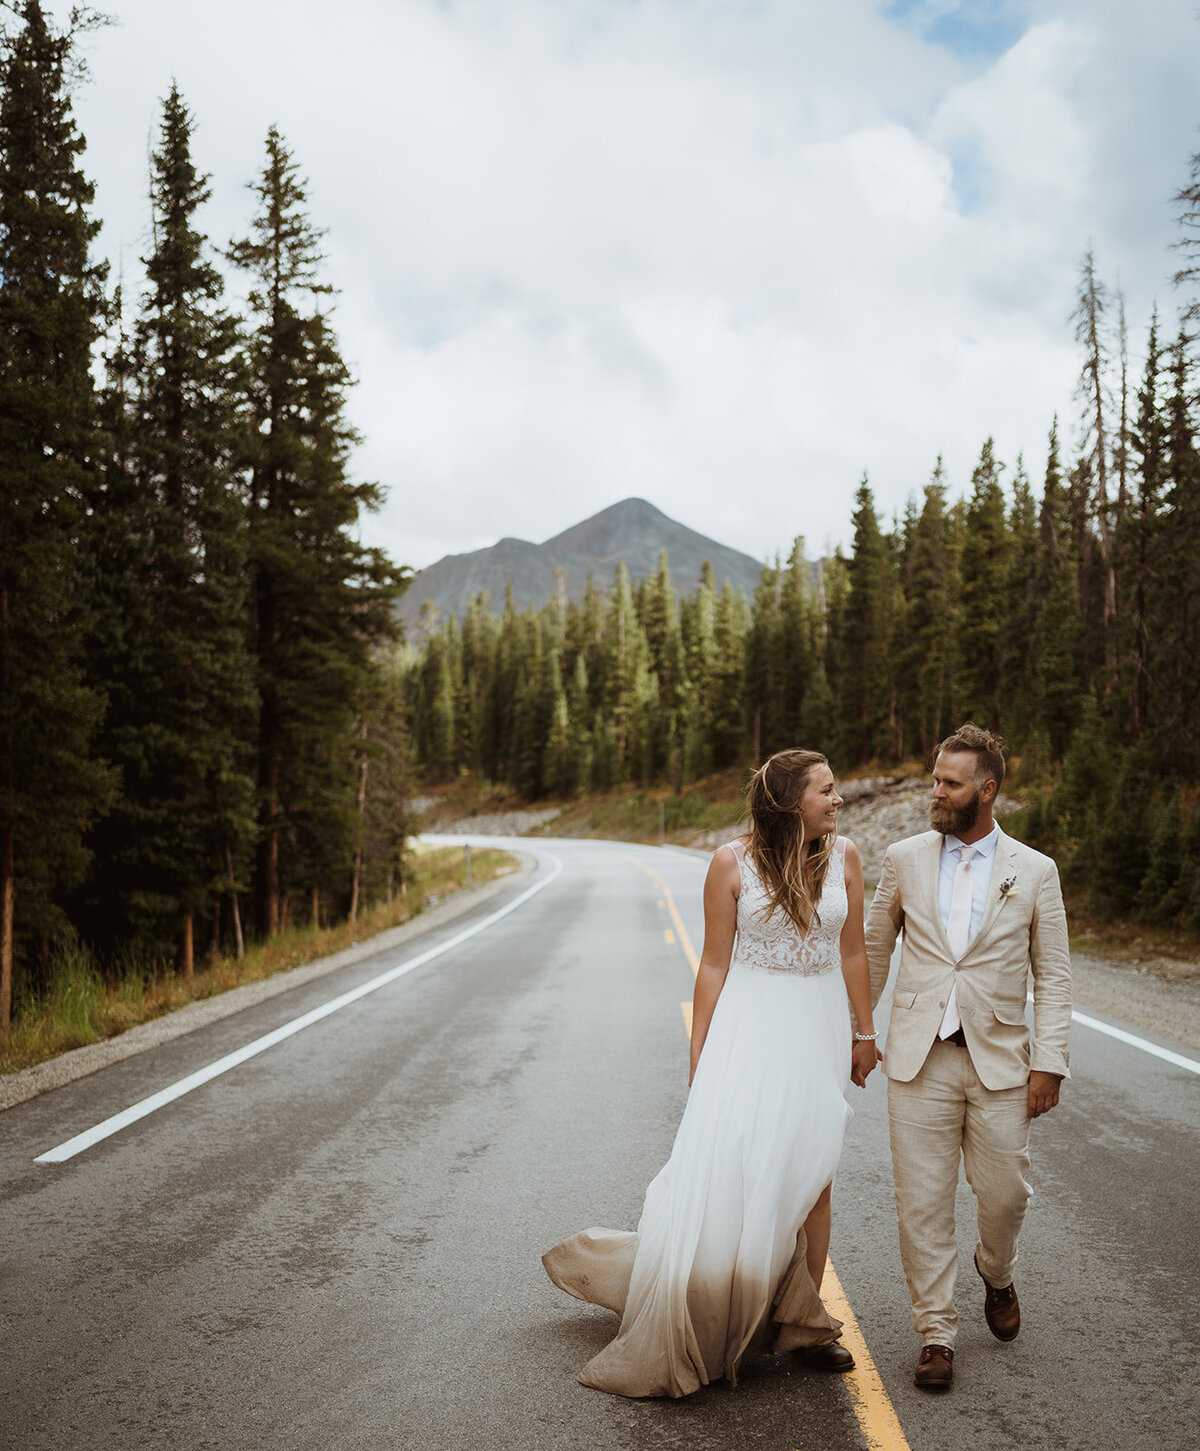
(985, 572)
(51, 300)
(798, 645)
(579, 715)
(697, 621)
(1090, 316)
(1058, 629)
(866, 669)
(387, 801)
(1020, 609)
(931, 588)
(1177, 615)
(559, 763)
(1159, 898)
(627, 667)
(1120, 846)
(1188, 245)
(477, 724)
(659, 616)
(731, 623)
(182, 689)
(321, 601)
(1140, 549)
(536, 660)
(762, 673)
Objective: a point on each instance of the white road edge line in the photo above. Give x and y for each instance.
(1166, 1054)
(1122, 1036)
(150, 1105)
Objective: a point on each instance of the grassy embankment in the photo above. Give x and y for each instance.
(83, 1008)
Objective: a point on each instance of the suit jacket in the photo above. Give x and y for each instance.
(1023, 931)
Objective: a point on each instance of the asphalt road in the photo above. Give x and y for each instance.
(336, 1243)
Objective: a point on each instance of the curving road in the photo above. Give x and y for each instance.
(334, 1242)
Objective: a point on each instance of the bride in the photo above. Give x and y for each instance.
(731, 1247)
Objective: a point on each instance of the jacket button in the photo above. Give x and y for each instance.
(941, 1005)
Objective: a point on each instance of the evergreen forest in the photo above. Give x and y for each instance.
(210, 727)
(1062, 611)
(200, 728)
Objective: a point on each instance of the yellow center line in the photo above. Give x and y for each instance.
(872, 1406)
(876, 1415)
(684, 940)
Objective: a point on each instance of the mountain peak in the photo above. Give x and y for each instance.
(633, 532)
(610, 534)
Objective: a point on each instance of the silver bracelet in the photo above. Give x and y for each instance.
(865, 1037)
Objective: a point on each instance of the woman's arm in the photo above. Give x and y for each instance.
(855, 972)
(721, 887)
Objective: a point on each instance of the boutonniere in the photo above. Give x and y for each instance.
(1008, 888)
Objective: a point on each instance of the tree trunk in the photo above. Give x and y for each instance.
(1123, 437)
(239, 942)
(1094, 371)
(7, 902)
(356, 876)
(621, 696)
(268, 885)
(315, 904)
(185, 962)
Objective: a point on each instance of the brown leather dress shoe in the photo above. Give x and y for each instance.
(935, 1368)
(827, 1357)
(1000, 1308)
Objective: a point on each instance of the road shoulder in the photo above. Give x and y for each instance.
(79, 1062)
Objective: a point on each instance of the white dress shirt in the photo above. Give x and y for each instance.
(981, 878)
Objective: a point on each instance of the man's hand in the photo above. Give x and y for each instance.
(863, 1058)
(1043, 1092)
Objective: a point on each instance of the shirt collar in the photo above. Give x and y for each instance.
(986, 847)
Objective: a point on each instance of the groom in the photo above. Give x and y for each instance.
(979, 912)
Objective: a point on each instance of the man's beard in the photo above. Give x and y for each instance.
(953, 820)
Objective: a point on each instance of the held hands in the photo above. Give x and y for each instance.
(1043, 1092)
(863, 1058)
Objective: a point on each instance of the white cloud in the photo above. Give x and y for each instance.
(725, 256)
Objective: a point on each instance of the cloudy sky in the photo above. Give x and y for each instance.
(723, 254)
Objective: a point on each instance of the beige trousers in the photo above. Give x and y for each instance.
(941, 1113)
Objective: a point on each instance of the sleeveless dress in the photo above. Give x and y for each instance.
(716, 1269)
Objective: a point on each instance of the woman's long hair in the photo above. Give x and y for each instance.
(791, 867)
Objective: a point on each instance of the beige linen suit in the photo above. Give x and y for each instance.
(944, 1100)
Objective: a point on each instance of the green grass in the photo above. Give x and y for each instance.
(82, 1007)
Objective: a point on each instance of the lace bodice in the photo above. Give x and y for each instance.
(775, 945)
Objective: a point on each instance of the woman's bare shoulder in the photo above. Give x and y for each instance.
(725, 864)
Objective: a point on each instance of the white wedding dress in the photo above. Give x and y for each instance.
(716, 1269)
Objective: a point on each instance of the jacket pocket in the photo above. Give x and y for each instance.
(903, 999)
(1013, 1016)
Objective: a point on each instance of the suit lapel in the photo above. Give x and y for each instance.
(930, 865)
(1004, 867)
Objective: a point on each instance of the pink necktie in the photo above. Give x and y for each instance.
(958, 930)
